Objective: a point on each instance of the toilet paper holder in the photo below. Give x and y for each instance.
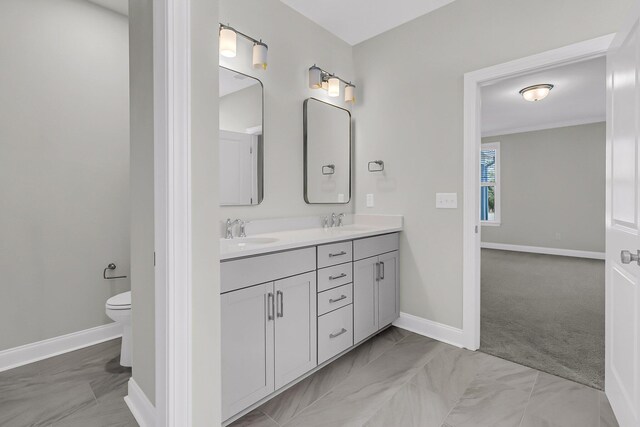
(111, 267)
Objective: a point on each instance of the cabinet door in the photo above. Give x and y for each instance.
(365, 298)
(295, 332)
(388, 289)
(247, 330)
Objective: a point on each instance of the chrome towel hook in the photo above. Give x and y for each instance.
(112, 267)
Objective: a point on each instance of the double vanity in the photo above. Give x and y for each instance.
(295, 299)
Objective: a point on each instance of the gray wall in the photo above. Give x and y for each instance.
(552, 188)
(142, 208)
(295, 44)
(64, 166)
(410, 83)
(242, 109)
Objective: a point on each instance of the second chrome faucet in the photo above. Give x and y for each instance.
(335, 220)
(229, 228)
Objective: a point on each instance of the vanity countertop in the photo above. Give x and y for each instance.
(358, 226)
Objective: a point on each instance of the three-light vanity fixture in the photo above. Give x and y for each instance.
(321, 79)
(228, 41)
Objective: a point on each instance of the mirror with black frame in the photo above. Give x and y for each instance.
(241, 139)
(327, 153)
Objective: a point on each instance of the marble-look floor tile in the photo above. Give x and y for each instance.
(607, 417)
(255, 418)
(292, 401)
(108, 412)
(411, 406)
(559, 402)
(505, 372)
(355, 401)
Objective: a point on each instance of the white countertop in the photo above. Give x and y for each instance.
(360, 226)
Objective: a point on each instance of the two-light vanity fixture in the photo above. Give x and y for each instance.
(228, 39)
(321, 79)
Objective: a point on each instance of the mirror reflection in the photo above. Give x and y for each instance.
(241, 139)
(327, 153)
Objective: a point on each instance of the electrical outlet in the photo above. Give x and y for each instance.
(446, 200)
(370, 202)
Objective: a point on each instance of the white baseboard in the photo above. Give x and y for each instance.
(431, 329)
(541, 250)
(29, 353)
(140, 406)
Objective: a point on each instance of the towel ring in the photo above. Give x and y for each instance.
(111, 267)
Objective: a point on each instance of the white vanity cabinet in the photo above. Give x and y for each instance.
(285, 313)
(375, 284)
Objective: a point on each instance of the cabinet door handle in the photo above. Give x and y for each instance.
(337, 334)
(338, 254)
(280, 297)
(338, 299)
(270, 306)
(377, 271)
(339, 276)
(382, 271)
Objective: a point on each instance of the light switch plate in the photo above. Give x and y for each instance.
(446, 200)
(370, 202)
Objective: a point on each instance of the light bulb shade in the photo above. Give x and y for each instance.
(349, 94)
(536, 92)
(260, 56)
(325, 85)
(334, 87)
(227, 42)
(315, 78)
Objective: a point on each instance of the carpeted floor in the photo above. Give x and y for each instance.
(545, 312)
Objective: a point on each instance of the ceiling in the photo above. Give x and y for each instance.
(355, 21)
(231, 81)
(118, 6)
(578, 97)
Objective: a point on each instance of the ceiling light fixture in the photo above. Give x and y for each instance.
(536, 92)
(322, 79)
(228, 41)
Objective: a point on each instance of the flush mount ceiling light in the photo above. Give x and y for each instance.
(228, 41)
(536, 92)
(322, 79)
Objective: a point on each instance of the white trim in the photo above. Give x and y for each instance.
(172, 148)
(563, 124)
(141, 408)
(472, 139)
(542, 250)
(429, 328)
(29, 353)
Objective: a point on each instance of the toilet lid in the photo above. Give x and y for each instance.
(121, 301)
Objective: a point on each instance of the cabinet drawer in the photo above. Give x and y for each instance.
(335, 298)
(335, 333)
(240, 273)
(335, 253)
(332, 277)
(372, 246)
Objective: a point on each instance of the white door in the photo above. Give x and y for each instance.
(295, 342)
(622, 362)
(247, 347)
(365, 298)
(238, 168)
(387, 289)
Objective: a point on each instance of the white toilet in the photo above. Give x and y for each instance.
(118, 308)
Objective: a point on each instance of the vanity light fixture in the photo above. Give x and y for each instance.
(322, 79)
(536, 92)
(228, 42)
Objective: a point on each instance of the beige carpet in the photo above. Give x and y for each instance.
(545, 312)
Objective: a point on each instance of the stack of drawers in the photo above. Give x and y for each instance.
(335, 299)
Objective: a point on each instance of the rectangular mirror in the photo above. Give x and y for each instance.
(327, 153)
(241, 139)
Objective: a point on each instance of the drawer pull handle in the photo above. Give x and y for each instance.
(338, 299)
(339, 276)
(270, 306)
(337, 334)
(338, 254)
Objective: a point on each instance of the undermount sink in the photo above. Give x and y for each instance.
(252, 241)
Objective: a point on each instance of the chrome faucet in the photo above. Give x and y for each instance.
(229, 227)
(334, 219)
(340, 218)
(242, 225)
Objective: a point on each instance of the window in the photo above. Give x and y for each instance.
(490, 184)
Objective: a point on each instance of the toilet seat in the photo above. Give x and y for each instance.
(120, 302)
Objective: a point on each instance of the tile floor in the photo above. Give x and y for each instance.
(395, 379)
(84, 388)
(402, 379)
